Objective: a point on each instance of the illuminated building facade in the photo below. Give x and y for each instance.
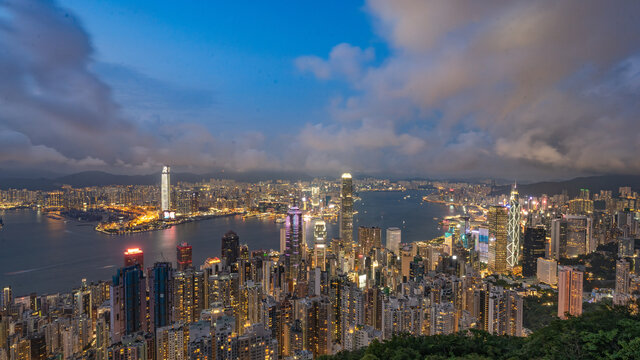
(346, 210)
(570, 283)
(183, 256)
(165, 189)
(134, 256)
(497, 221)
(293, 249)
(369, 238)
(513, 229)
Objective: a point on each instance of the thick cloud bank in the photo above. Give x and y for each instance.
(524, 89)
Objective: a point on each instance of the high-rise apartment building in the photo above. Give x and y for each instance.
(570, 283)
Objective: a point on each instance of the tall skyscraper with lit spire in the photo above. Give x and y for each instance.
(346, 210)
(165, 189)
(513, 228)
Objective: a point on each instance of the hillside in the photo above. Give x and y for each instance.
(573, 186)
(602, 334)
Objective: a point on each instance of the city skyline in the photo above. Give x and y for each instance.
(472, 92)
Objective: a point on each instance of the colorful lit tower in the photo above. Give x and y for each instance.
(183, 256)
(134, 256)
(513, 228)
(293, 242)
(346, 210)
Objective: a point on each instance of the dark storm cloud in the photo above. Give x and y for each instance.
(57, 113)
(506, 88)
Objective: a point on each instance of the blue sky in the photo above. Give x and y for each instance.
(405, 88)
(239, 52)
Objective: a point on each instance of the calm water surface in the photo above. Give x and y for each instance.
(45, 255)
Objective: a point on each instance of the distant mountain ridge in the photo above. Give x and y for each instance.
(101, 178)
(573, 186)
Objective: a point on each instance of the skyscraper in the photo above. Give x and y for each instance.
(579, 240)
(293, 249)
(188, 295)
(160, 294)
(513, 229)
(128, 302)
(320, 244)
(570, 283)
(346, 210)
(134, 256)
(183, 256)
(534, 244)
(369, 238)
(558, 246)
(230, 247)
(394, 237)
(497, 219)
(165, 189)
(621, 294)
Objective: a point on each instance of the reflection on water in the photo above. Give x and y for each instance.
(43, 254)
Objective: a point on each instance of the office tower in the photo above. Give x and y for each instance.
(497, 221)
(165, 189)
(283, 240)
(7, 298)
(128, 302)
(534, 248)
(569, 292)
(394, 238)
(230, 248)
(320, 244)
(188, 295)
(172, 342)
(293, 250)
(558, 246)
(346, 210)
(513, 229)
(547, 271)
(622, 294)
(579, 240)
(134, 256)
(482, 245)
(369, 238)
(160, 295)
(183, 256)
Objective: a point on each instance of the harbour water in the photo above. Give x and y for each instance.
(42, 254)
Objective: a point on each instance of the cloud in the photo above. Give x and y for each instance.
(498, 88)
(56, 112)
(344, 60)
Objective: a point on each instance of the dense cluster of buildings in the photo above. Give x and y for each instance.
(319, 296)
